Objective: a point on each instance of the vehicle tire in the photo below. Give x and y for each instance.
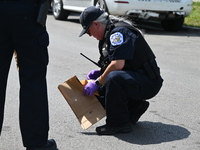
(58, 12)
(102, 4)
(172, 25)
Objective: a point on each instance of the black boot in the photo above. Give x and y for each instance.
(107, 130)
(50, 145)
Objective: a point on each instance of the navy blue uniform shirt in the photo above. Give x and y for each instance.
(122, 44)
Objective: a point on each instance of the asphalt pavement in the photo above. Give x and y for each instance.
(172, 121)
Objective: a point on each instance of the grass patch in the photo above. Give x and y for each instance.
(194, 18)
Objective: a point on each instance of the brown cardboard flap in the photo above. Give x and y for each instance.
(87, 109)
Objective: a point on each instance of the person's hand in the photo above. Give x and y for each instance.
(93, 74)
(90, 88)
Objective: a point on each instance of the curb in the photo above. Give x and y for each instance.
(191, 29)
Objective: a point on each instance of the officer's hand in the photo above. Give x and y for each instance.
(90, 88)
(93, 74)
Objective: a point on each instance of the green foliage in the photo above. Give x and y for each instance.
(194, 18)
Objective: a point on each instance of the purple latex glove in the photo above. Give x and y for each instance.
(93, 74)
(90, 88)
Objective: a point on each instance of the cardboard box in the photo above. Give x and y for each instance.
(87, 109)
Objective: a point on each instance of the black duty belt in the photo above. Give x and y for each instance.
(152, 69)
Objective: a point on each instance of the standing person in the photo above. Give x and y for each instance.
(129, 74)
(19, 31)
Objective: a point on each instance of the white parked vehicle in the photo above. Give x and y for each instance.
(171, 13)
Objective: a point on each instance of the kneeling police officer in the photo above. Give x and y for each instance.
(128, 74)
(22, 28)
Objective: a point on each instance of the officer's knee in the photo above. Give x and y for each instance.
(113, 76)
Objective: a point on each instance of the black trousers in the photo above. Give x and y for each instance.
(19, 31)
(124, 91)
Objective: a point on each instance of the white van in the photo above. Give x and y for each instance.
(171, 13)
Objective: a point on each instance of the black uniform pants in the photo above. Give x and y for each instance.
(124, 90)
(19, 31)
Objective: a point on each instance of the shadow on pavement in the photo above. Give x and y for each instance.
(145, 133)
(155, 28)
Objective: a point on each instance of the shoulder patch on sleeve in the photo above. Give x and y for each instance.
(116, 39)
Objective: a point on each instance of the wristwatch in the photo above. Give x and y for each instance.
(98, 83)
